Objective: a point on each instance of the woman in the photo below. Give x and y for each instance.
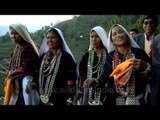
(126, 69)
(22, 69)
(91, 66)
(57, 73)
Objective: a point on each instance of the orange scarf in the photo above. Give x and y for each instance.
(122, 73)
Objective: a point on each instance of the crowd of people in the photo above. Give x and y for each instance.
(119, 68)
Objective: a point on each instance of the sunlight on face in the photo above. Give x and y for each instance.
(119, 37)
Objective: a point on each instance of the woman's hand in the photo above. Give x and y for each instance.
(139, 64)
(69, 101)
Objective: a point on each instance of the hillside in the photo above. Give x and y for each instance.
(76, 33)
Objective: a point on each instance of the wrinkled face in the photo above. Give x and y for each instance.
(16, 38)
(119, 37)
(53, 41)
(149, 26)
(96, 40)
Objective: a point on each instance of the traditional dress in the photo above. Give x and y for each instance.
(57, 76)
(22, 69)
(134, 89)
(124, 85)
(91, 67)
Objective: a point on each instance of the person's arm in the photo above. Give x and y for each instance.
(83, 70)
(142, 65)
(71, 78)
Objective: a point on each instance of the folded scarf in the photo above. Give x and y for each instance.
(122, 73)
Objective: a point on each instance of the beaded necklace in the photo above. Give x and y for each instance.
(46, 92)
(94, 97)
(16, 58)
(127, 91)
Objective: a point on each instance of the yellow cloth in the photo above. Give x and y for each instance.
(122, 72)
(8, 88)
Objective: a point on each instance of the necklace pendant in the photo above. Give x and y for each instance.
(44, 98)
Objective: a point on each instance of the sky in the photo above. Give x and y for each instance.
(33, 20)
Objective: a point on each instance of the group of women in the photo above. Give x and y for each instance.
(113, 71)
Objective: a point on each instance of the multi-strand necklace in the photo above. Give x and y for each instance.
(94, 96)
(127, 91)
(16, 58)
(46, 70)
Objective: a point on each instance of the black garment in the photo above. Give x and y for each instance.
(83, 71)
(83, 66)
(140, 79)
(61, 90)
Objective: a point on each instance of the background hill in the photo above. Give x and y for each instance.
(76, 33)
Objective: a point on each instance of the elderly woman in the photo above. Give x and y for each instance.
(91, 66)
(57, 73)
(126, 70)
(22, 69)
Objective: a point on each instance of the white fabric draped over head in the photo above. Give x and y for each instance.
(64, 44)
(44, 47)
(23, 32)
(102, 34)
(110, 45)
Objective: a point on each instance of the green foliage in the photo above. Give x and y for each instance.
(138, 24)
(76, 32)
(76, 27)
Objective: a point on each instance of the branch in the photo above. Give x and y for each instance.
(6, 60)
(3, 72)
(3, 67)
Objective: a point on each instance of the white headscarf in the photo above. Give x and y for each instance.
(23, 32)
(44, 47)
(64, 44)
(110, 45)
(102, 34)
